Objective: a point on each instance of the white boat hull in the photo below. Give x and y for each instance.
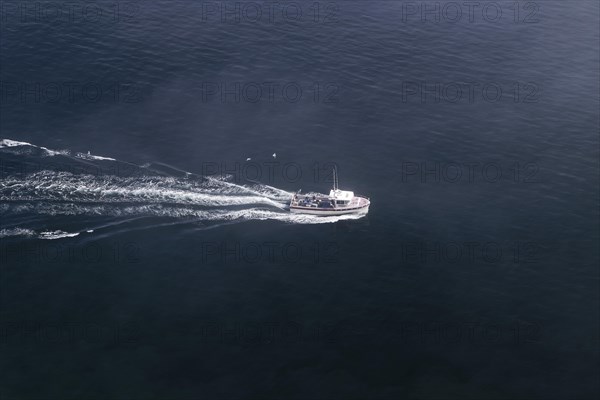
(360, 207)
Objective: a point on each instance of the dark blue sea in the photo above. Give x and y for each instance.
(149, 149)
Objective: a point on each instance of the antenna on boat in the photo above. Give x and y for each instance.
(335, 178)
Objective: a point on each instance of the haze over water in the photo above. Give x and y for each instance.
(144, 256)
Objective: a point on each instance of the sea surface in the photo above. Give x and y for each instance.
(148, 151)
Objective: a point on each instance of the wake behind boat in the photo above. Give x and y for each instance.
(339, 202)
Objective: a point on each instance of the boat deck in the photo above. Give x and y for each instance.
(324, 203)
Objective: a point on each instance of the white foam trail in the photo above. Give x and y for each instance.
(93, 157)
(48, 235)
(64, 186)
(206, 199)
(52, 153)
(16, 232)
(9, 143)
(13, 143)
(53, 235)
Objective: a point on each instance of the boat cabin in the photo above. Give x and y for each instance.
(340, 197)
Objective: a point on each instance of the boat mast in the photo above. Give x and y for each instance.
(335, 179)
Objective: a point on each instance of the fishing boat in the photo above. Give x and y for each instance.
(339, 202)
